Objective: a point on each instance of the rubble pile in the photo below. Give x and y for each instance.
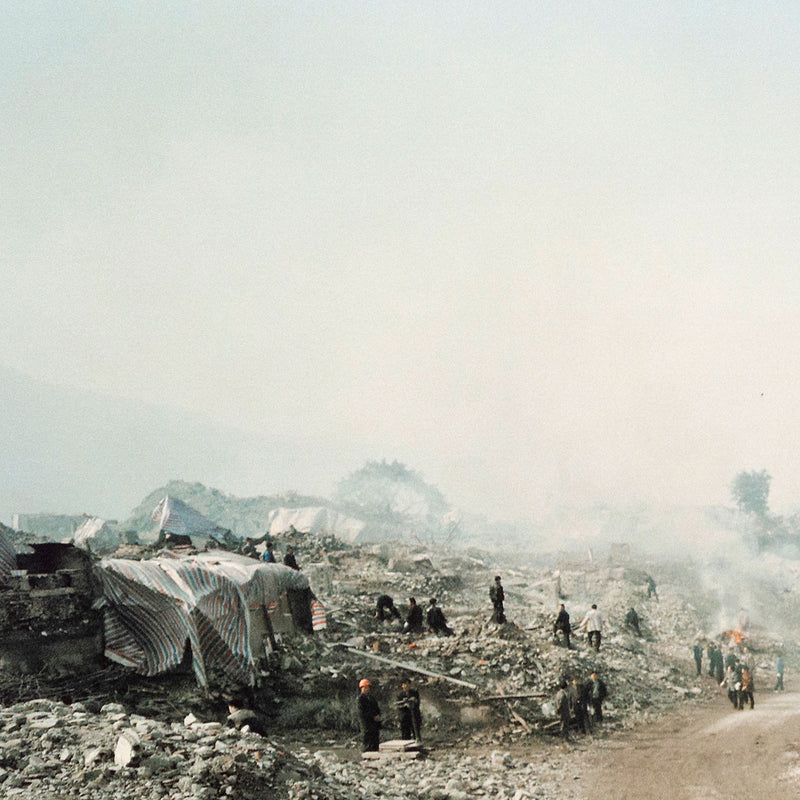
(486, 692)
(49, 749)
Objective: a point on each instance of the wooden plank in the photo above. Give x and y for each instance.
(409, 667)
(514, 714)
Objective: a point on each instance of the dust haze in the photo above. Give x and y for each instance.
(546, 258)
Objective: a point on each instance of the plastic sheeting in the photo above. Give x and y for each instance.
(153, 608)
(8, 557)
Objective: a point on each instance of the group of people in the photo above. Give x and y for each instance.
(579, 703)
(386, 611)
(407, 704)
(738, 680)
(250, 549)
(734, 671)
(592, 622)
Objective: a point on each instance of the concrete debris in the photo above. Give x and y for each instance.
(485, 693)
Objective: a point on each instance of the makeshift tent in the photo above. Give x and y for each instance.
(175, 516)
(316, 519)
(215, 601)
(8, 556)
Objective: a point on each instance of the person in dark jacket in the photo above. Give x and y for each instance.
(289, 558)
(632, 621)
(413, 623)
(697, 651)
(498, 596)
(596, 693)
(562, 624)
(369, 713)
(385, 608)
(407, 704)
(579, 705)
(437, 621)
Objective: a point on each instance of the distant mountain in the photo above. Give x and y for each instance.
(69, 451)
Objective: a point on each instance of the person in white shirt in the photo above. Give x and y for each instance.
(593, 622)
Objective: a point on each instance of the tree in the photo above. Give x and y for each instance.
(390, 490)
(750, 491)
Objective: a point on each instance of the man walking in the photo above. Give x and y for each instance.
(593, 623)
(562, 624)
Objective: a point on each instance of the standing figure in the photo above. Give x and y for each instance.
(370, 714)
(579, 700)
(561, 703)
(698, 655)
(596, 692)
(413, 623)
(779, 674)
(712, 661)
(385, 608)
(408, 708)
(561, 623)
(437, 621)
(719, 665)
(593, 622)
(498, 596)
(651, 587)
(733, 684)
(746, 695)
(269, 554)
(289, 558)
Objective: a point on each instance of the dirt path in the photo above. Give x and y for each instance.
(703, 754)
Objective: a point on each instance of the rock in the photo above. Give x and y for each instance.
(126, 751)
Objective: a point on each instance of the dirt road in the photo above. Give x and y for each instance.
(703, 754)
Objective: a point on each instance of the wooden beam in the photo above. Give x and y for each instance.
(409, 667)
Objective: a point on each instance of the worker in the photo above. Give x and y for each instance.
(413, 623)
(561, 623)
(407, 704)
(369, 713)
(386, 609)
(497, 595)
(437, 621)
(593, 622)
(632, 621)
(289, 558)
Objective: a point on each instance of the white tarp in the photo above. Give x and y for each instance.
(315, 519)
(97, 536)
(175, 516)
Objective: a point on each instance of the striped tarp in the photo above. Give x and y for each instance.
(8, 557)
(153, 608)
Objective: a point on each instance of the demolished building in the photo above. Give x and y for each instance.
(47, 614)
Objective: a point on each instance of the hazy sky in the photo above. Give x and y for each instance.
(535, 251)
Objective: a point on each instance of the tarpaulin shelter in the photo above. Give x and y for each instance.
(175, 516)
(221, 603)
(8, 557)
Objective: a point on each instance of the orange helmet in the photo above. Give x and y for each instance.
(363, 682)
